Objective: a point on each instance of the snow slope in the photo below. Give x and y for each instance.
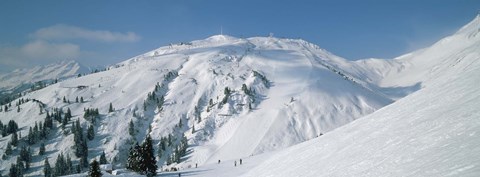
(431, 132)
(295, 93)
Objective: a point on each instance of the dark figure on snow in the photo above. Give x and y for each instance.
(196, 165)
(235, 163)
(218, 161)
(240, 161)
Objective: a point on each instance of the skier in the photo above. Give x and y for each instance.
(240, 161)
(219, 161)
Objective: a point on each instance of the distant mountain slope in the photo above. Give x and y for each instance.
(22, 79)
(410, 72)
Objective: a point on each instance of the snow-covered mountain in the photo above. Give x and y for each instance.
(432, 132)
(242, 96)
(253, 98)
(21, 80)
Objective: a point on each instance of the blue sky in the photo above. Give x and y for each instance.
(106, 32)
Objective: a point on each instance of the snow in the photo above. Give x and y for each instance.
(432, 132)
(430, 129)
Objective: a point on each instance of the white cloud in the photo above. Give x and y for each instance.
(36, 52)
(65, 32)
(42, 49)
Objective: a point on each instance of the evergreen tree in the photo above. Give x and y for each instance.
(48, 121)
(78, 168)
(148, 163)
(131, 128)
(103, 159)
(90, 133)
(76, 99)
(68, 115)
(133, 158)
(47, 170)
(60, 165)
(110, 108)
(20, 167)
(81, 99)
(13, 171)
(64, 99)
(41, 151)
(14, 140)
(18, 108)
(69, 165)
(94, 169)
(84, 161)
(8, 150)
(30, 136)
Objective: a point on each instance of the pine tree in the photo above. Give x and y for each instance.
(94, 169)
(103, 159)
(30, 136)
(90, 133)
(131, 128)
(64, 99)
(60, 165)
(13, 171)
(83, 162)
(81, 99)
(110, 108)
(47, 170)
(14, 140)
(8, 150)
(76, 99)
(41, 151)
(68, 115)
(69, 165)
(20, 167)
(134, 156)
(18, 108)
(148, 163)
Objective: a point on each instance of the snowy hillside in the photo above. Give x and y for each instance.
(235, 97)
(22, 79)
(432, 132)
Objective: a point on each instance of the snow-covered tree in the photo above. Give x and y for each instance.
(148, 163)
(103, 159)
(94, 170)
